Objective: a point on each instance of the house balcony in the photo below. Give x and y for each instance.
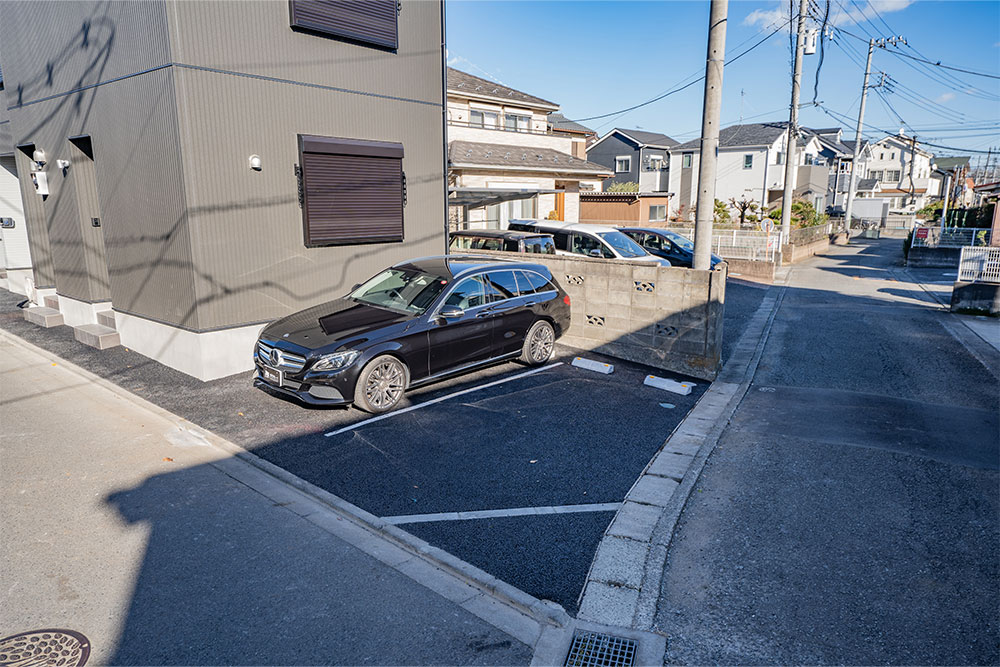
(465, 131)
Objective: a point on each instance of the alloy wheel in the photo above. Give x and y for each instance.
(385, 384)
(540, 346)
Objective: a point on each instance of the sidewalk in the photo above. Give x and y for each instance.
(121, 527)
(850, 511)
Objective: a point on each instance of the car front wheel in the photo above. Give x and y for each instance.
(381, 384)
(538, 344)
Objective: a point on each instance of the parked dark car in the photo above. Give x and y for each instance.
(679, 250)
(500, 239)
(414, 323)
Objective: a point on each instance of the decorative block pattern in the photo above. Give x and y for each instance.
(595, 320)
(574, 280)
(644, 286)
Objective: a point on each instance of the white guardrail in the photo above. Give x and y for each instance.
(742, 244)
(950, 237)
(979, 265)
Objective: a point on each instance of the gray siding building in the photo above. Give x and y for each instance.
(211, 166)
(635, 156)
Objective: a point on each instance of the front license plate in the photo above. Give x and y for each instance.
(272, 375)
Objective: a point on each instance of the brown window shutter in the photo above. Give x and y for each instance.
(352, 191)
(368, 21)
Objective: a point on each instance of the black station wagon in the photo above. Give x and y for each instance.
(414, 323)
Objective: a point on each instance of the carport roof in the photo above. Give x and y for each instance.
(476, 197)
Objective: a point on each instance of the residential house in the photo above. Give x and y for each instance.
(624, 208)
(903, 170)
(15, 253)
(635, 156)
(581, 135)
(838, 154)
(504, 159)
(190, 171)
(751, 167)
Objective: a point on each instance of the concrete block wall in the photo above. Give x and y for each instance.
(665, 317)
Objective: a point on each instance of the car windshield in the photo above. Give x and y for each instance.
(679, 240)
(404, 291)
(625, 246)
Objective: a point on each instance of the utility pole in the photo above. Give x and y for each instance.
(913, 158)
(944, 209)
(793, 119)
(853, 186)
(709, 158)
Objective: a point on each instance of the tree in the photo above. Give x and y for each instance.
(721, 212)
(747, 209)
(627, 186)
(681, 215)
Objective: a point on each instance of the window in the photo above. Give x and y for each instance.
(351, 191)
(400, 290)
(368, 21)
(876, 174)
(517, 123)
(779, 158)
(892, 156)
(686, 160)
(562, 240)
(540, 245)
(881, 156)
(504, 285)
(532, 283)
(623, 163)
(655, 162)
(810, 159)
(892, 175)
(483, 119)
(748, 161)
(584, 245)
(469, 293)
(657, 213)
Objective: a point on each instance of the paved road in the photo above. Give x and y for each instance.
(113, 528)
(851, 511)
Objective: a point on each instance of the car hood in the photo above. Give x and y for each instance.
(332, 324)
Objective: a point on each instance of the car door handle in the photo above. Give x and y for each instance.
(530, 303)
(485, 313)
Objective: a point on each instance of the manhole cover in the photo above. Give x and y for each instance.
(593, 649)
(45, 648)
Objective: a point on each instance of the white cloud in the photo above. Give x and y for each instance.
(947, 97)
(769, 18)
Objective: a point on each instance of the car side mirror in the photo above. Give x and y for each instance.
(451, 312)
(356, 287)
(595, 253)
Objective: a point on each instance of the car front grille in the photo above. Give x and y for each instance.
(286, 360)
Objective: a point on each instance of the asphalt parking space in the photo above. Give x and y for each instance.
(546, 444)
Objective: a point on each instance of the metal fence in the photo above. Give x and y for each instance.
(950, 237)
(742, 244)
(805, 235)
(979, 265)
(896, 221)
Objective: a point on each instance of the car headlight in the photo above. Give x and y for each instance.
(337, 360)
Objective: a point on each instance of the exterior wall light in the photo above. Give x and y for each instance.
(39, 157)
(255, 163)
(62, 164)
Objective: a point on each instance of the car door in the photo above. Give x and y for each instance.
(512, 312)
(585, 244)
(454, 342)
(653, 244)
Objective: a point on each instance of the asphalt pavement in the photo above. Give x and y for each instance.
(850, 513)
(156, 551)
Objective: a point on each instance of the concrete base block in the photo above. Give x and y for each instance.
(670, 465)
(106, 318)
(51, 301)
(619, 562)
(653, 490)
(612, 605)
(635, 522)
(43, 317)
(976, 298)
(97, 336)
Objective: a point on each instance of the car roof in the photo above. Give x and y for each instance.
(454, 266)
(653, 230)
(557, 225)
(498, 233)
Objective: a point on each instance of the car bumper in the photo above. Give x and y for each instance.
(313, 389)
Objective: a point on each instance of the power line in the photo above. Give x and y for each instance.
(687, 85)
(943, 66)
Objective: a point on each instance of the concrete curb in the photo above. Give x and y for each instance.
(508, 608)
(623, 583)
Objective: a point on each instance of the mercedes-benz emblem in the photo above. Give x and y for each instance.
(276, 357)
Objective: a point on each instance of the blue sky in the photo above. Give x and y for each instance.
(594, 57)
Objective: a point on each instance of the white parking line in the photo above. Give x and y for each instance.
(441, 398)
(494, 514)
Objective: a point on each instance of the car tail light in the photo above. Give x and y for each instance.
(566, 299)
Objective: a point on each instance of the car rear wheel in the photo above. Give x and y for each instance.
(381, 384)
(538, 344)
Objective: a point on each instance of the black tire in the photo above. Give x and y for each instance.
(381, 384)
(539, 344)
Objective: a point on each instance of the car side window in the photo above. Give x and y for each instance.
(469, 293)
(653, 241)
(504, 285)
(511, 245)
(489, 244)
(584, 244)
(562, 240)
(461, 242)
(531, 282)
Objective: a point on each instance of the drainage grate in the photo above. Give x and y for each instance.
(45, 648)
(592, 649)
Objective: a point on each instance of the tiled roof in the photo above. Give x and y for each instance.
(476, 154)
(463, 82)
(867, 184)
(753, 134)
(560, 122)
(949, 163)
(649, 138)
